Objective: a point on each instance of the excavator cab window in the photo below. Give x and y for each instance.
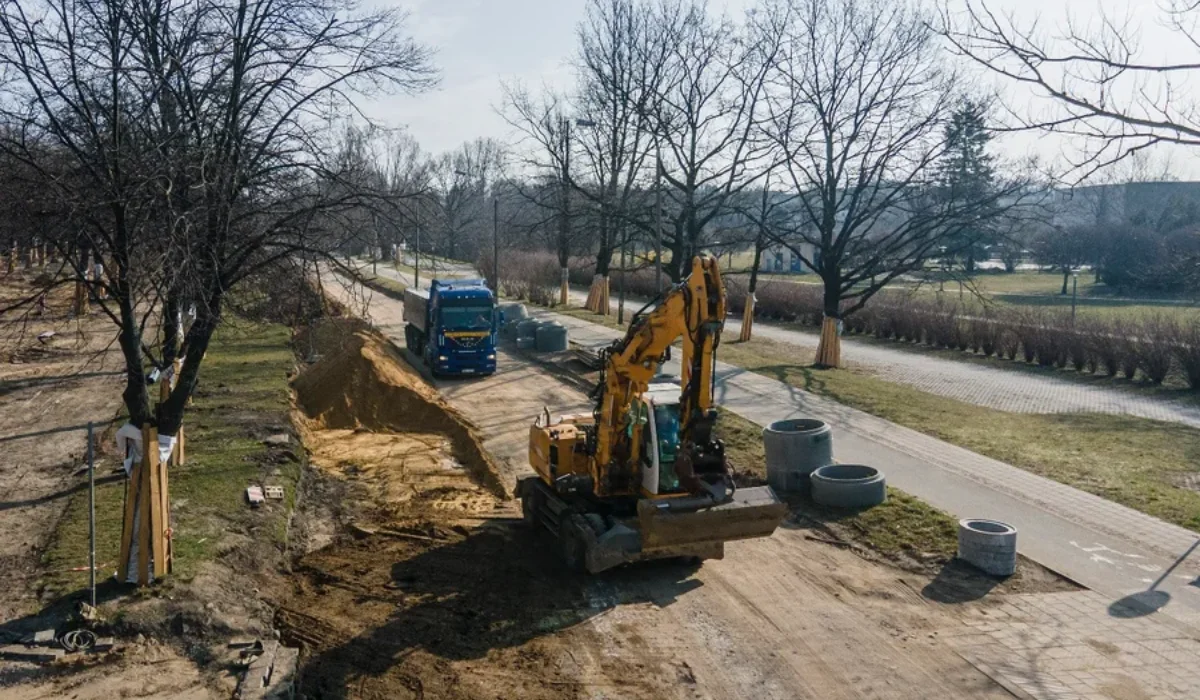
(666, 428)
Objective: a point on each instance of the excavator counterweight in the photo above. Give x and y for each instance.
(642, 476)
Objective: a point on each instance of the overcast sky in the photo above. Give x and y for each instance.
(479, 43)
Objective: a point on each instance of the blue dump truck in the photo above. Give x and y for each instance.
(452, 326)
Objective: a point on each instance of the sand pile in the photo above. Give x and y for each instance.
(361, 382)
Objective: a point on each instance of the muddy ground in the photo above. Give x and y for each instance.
(443, 594)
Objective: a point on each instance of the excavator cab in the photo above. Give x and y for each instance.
(660, 440)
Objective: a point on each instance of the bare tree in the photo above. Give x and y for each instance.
(196, 140)
(544, 155)
(858, 101)
(461, 181)
(618, 75)
(1091, 76)
(704, 114)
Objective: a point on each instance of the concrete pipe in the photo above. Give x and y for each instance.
(514, 312)
(508, 331)
(848, 486)
(551, 337)
(988, 545)
(794, 448)
(528, 329)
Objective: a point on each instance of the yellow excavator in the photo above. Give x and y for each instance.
(642, 477)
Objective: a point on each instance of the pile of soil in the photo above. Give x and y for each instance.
(362, 383)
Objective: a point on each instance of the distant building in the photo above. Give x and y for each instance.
(781, 260)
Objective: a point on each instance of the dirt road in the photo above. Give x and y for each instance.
(783, 617)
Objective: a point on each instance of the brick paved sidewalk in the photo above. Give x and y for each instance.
(1069, 646)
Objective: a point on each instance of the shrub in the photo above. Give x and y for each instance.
(1104, 346)
(1154, 347)
(1186, 345)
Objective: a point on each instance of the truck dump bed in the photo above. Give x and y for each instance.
(416, 301)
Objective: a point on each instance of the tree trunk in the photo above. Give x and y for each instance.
(81, 288)
(171, 340)
(1066, 276)
(170, 412)
(829, 349)
(748, 311)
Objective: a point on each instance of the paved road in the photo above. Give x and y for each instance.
(992, 387)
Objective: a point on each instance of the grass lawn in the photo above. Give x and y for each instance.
(1133, 461)
(902, 526)
(382, 284)
(243, 394)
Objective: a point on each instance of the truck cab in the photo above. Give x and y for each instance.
(452, 327)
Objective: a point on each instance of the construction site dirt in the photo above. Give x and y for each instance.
(432, 587)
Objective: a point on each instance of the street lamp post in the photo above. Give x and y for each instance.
(565, 220)
(417, 253)
(496, 244)
(658, 204)
(1074, 289)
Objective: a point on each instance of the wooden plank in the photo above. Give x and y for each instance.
(157, 528)
(165, 495)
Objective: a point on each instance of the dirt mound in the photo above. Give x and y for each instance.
(361, 382)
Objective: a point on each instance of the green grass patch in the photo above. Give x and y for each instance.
(243, 394)
(384, 285)
(1132, 461)
(901, 527)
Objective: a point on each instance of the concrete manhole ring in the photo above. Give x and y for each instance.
(848, 486)
(989, 545)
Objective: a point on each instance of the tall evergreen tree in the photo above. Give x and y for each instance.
(965, 174)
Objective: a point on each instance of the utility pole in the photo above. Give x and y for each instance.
(91, 460)
(621, 292)
(1074, 289)
(658, 207)
(564, 224)
(496, 243)
(417, 254)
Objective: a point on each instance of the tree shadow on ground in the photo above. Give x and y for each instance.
(959, 582)
(421, 604)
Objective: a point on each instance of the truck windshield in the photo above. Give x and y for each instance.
(467, 318)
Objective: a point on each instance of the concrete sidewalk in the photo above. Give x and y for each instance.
(1116, 551)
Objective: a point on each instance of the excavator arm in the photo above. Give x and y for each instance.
(693, 312)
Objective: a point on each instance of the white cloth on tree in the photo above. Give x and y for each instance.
(129, 443)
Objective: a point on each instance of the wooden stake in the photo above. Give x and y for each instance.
(179, 450)
(154, 503)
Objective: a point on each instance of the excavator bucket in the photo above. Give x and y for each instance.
(753, 512)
